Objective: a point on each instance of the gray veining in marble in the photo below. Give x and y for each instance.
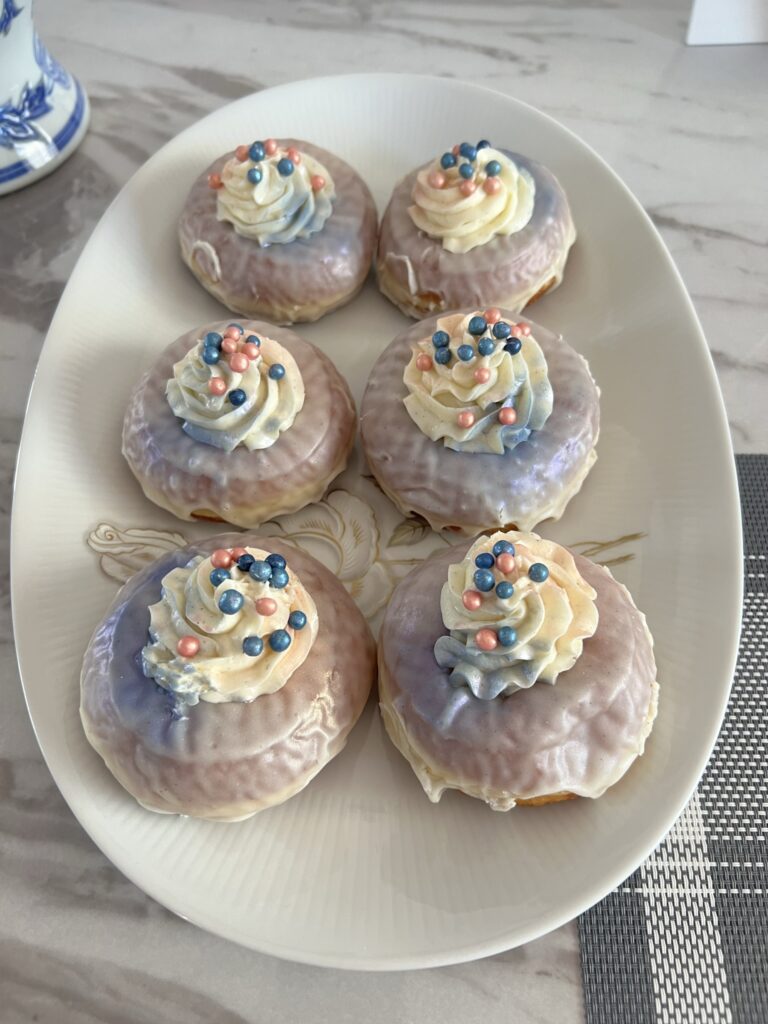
(686, 129)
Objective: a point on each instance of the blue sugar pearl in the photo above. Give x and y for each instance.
(245, 562)
(280, 640)
(503, 547)
(279, 579)
(285, 167)
(261, 571)
(501, 330)
(466, 170)
(486, 346)
(504, 590)
(485, 560)
(492, 168)
(440, 339)
(231, 601)
(237, 327)
(213, 338)
(465, 353)
(237, 397)
(477, 325)
(447, 160)
(256, 152)
(468, 151)
(297, 620)
(483, 144)
(254, 175)
(277, 371)
(276, 561)
(538, 572)
(253, 646)
(513, 346)
(484, 580)
(218, 576)
(443, 356)
(211, 355)
(507, 636)
(253, 340)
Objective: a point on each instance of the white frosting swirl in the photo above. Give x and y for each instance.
(221, 670)
(438, 396)
(270, 405)
(463, 222)
(280, 208)
(551, 619)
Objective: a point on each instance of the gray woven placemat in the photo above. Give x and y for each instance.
(685, 939)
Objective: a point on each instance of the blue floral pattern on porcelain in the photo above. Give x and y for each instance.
(9, 12)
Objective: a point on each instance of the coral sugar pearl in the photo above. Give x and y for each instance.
(270, 147)
(436, 179)
(523, 330)
(250, 350)
(188, 646)
(466, 419)
(266, 606)
(467, 188)
(424, 362)
(507, 416)
(229, 345)
(472, 599)
(238, 553)
(482, 375)
(493, 315)
(221, 558)
(486, 639)
(505, 563)
(294, 155)
(317, 181)
(232, 332)
(491, 186)
(242, 153)
(214, 181)
(217, 385)
(239, 362)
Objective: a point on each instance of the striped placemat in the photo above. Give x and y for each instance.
(685, 939)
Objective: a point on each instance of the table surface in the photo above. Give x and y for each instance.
(686, 130)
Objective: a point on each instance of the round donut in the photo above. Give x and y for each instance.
(301, 280)
(473, 492)
(194, 480)
(224, 761)
(547, 743)
(421, 277)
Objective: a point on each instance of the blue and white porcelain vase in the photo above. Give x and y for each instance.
(43, 109)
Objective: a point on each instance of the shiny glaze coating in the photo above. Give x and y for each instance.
(468, 491)
(299, 281)
(576, 737)
(421, 277)
(224, 761)
(196, 480)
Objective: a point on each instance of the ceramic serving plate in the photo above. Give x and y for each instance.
(360, 870)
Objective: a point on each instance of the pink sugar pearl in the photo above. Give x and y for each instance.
(242, 153)
(294, 155)
(217, 385)
(493, 315)
(239, 362)
(238, 553)
(266, 606)
(467, 188)
(221, 558)
(270, 147)
(523, 329)
(251, 350)
(436, 179)
(424, 362)
(455, 150)
(232, 332)
(472, 599)
(491, 186)
(188, 646)
(317, 181)
(482, 375)
(229, 345)
(214, 181)
(466, 419)
(507, 416)
(486, 640)
(505, 562)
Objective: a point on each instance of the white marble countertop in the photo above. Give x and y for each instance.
(685, 128)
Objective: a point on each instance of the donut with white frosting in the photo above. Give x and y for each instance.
(516, 672)
(225, 676)
(475, 226)
(238, 422)
(476, 420)
(281, 229)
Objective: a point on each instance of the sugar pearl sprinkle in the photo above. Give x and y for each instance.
(290, 159)
(238, 350)
(464, 169)
(232, 565)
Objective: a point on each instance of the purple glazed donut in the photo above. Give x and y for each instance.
(547, 742)
(296, 276)
(224, 761)
(421, 276)
(197, 480)
(473, 491)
